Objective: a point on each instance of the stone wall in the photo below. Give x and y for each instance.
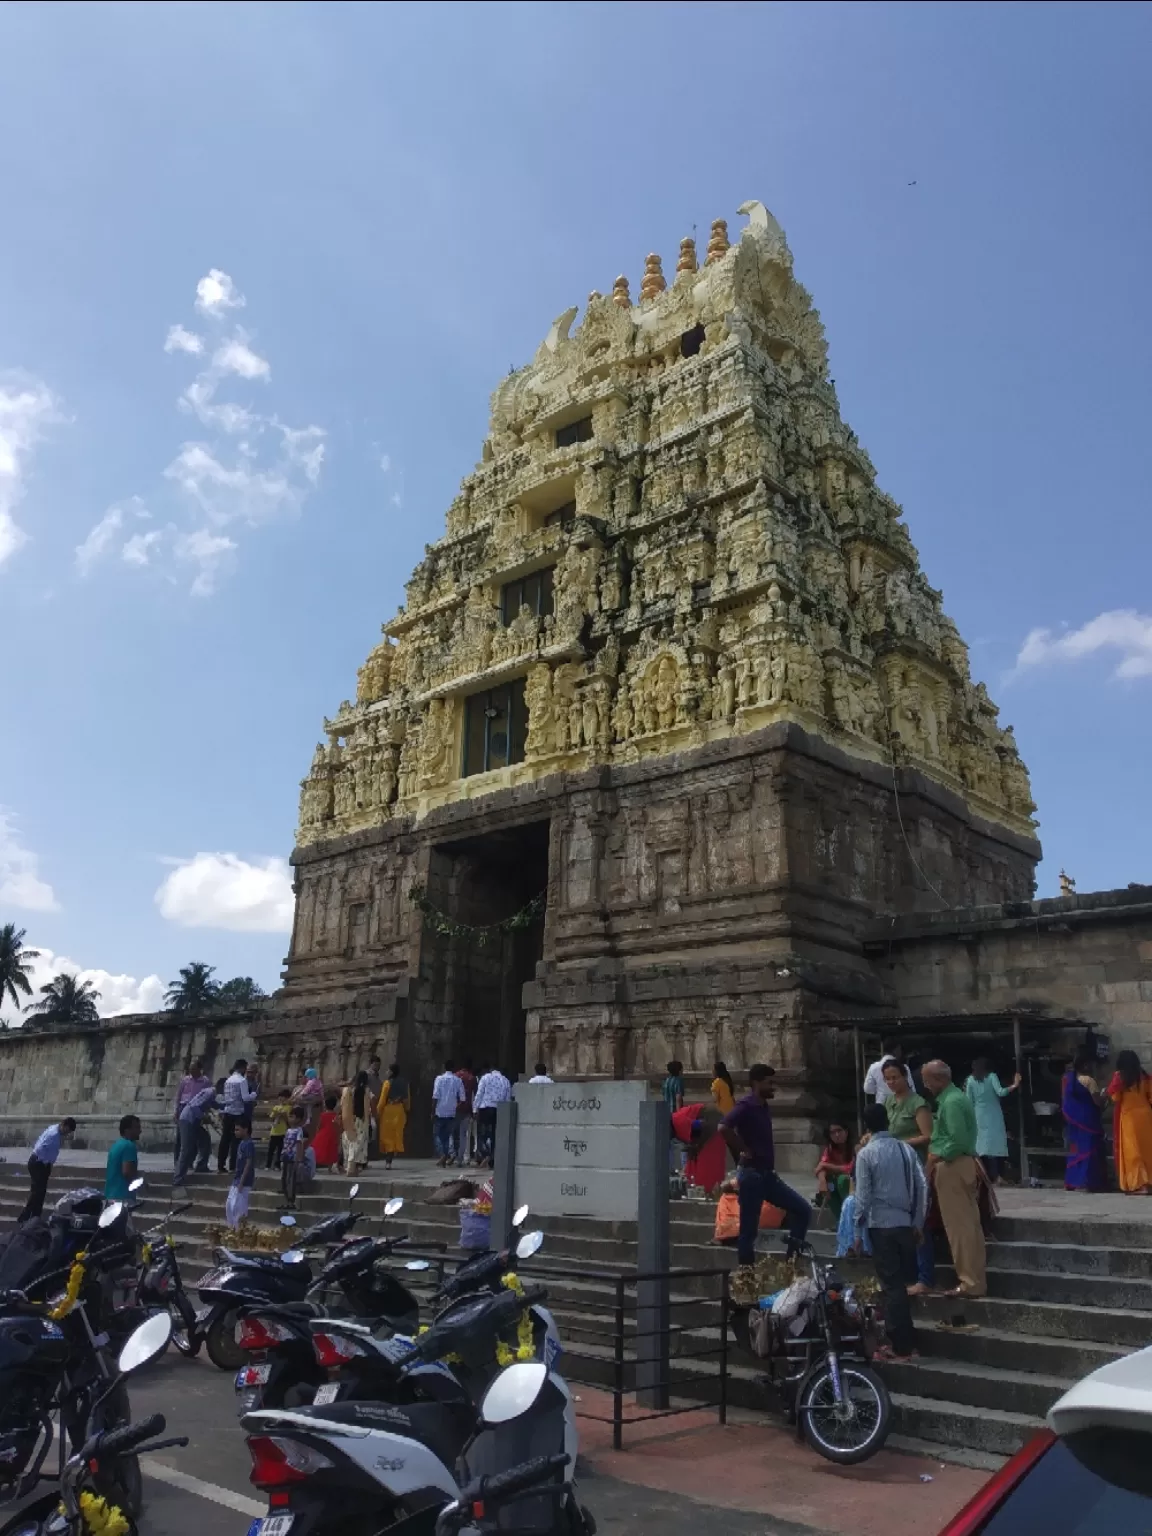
(1086, 957)
(130, 1064)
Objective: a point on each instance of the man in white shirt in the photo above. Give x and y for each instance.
(875, 1087)
(447, 1092)
(541, 1074)
(42, 1162)
(492, 1090)
(239, 1097)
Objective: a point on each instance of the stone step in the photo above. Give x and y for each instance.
(1080, 1231)
(1068, 1258)
(1118, 1326)
(950, 1424)
(977, 1386)
(1067, 1359)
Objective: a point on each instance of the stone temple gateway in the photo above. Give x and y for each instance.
(675, 668)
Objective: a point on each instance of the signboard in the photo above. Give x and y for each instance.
(578, 1148)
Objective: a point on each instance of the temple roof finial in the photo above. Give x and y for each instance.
(717, 241)
(687, 262)
(653, 282)
(620, 294)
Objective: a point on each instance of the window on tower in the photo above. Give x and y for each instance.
(533, 591)
(562, 517)
(574, 432)
(495, 728)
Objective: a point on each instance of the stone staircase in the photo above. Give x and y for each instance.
(1065, 1296)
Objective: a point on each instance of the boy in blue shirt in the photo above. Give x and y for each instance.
(244, 1177)
(121, 1166)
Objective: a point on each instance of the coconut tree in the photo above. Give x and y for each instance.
(14, 964)
(240, 992)
(195, 990)
(67, 1000)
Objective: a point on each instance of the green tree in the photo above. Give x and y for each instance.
(67, 1000)
(240, 992)
(14, 964)
(195, 991)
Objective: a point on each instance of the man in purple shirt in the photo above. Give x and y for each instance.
(747, 1129)
(193, 1083)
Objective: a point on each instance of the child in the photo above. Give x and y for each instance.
(244, 1177)
(280, 1112)
(292, 1153)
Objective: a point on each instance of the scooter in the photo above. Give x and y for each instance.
(355, 1468)
(245, 1279)
(283, 1369)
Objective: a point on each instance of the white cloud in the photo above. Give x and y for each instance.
(397, 499)
(27, 407)
(208, 551)
(200, 398)
(180, 340)
(236, 356)
(118, 993)
(99, 541)
(385, 462)
(238, 493)
(217, 293)
(1121, 630)
(305, 448)
(20, 882)
(222, 890)
(138, 550)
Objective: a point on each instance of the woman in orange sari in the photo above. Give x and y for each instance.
(1131, 1092)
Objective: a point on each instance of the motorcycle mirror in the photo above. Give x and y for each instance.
(418, 1264)
(146, 1342)
(111, 1213)
(521, 1216)
(513, 1392)
(287, 1221)
(353, 1192)
(393, 1206)
(530, 1243)
(135, 1185)
(292, 1256)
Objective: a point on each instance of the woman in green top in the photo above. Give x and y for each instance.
(910, 1120)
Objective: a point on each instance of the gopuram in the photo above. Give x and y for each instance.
(670, 716)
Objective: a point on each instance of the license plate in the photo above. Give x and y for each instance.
(328, 1393)
(253, 1376)
(271, 1525)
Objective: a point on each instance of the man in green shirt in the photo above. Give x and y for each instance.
(121, 1166)
(952, 1172)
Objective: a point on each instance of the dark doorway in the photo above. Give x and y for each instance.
(474, 979)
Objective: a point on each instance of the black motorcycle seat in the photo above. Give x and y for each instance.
(445, 1428)
(251, 1260)
(293, 1308)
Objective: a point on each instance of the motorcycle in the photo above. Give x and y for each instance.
(283, 1369)
(244, 1279)
(53, 1359)
(87, 1499)
(837, 1402)
(160, 1286)
(359, 1467)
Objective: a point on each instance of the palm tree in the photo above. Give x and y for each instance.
(195, 990)
(67, 1000)
(240, 992)
(14, 958)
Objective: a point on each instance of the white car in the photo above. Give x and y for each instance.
(1088, 1474)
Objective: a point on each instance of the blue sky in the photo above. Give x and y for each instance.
(404, 198)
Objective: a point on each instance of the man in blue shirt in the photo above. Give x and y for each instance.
(41, 1163)
(748, 1131)
(121, 1168)
(188, 1130)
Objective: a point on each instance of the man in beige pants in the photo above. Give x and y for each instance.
(952, 1172)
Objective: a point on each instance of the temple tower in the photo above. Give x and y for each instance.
(675, 668)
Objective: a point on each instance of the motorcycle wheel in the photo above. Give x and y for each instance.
(850, 1431)
(123, 1483)
(220, 1341)
(184, 1335)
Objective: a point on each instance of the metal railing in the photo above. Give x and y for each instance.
(656, 1359)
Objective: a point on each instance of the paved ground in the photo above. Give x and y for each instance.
(673, 1474)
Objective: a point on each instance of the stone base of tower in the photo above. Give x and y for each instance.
(707, 903)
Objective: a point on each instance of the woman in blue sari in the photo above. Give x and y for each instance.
(1084, 1129)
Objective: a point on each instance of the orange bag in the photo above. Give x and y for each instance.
(728, 1218)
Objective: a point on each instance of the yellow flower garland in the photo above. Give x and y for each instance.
(525, 1337)
(102, 1518)
(71, 1295)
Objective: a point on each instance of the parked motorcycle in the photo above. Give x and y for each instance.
(837, 1401)
(359, 1467)
(53, 1352)
(243, 1279)
(91, 1496)
(283, 1368)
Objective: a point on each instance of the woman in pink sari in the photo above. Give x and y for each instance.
(311, 1094)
